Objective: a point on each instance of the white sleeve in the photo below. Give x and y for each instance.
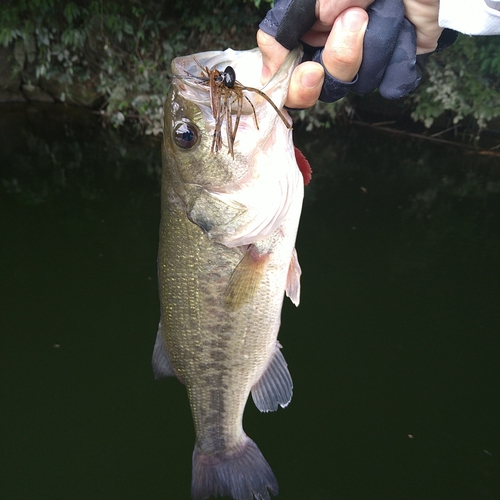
(472, 17)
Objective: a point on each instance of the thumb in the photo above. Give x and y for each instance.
(273, 54)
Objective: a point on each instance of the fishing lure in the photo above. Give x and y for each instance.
(225, 92)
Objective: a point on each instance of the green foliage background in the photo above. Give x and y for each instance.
(462, 83)
(122, 51)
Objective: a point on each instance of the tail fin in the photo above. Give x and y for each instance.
(243, 475)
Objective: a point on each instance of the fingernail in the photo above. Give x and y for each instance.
(312, 78)
(354, 20)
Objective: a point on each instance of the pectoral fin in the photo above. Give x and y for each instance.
(293, 279)
(246, 278)
(275, 387)
(162, 367)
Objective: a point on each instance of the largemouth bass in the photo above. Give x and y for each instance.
(226, 257)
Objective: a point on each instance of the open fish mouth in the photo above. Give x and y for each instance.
(191, 71)
(218, 89)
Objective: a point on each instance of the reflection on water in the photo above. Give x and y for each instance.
(394, 349)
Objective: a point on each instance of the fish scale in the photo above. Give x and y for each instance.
(226, 257)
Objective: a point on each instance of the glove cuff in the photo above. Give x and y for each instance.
(289, 20)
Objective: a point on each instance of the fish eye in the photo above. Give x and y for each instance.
(185, 135)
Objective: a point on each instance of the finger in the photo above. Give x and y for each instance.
(343, 51)
(327, 11)
(427, 40)
(305, 85)
(341, 57)
(273, 54)
(424, 15)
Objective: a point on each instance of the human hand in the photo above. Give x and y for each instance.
(385, 59)
(341, 57)
(340, 28)
(388, 56)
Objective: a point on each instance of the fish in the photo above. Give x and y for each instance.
(226, 258)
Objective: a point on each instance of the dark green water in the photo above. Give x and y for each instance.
(394, 350)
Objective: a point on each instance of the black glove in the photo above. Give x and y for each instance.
(389, 61)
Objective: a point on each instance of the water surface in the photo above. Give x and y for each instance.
(394, 350)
